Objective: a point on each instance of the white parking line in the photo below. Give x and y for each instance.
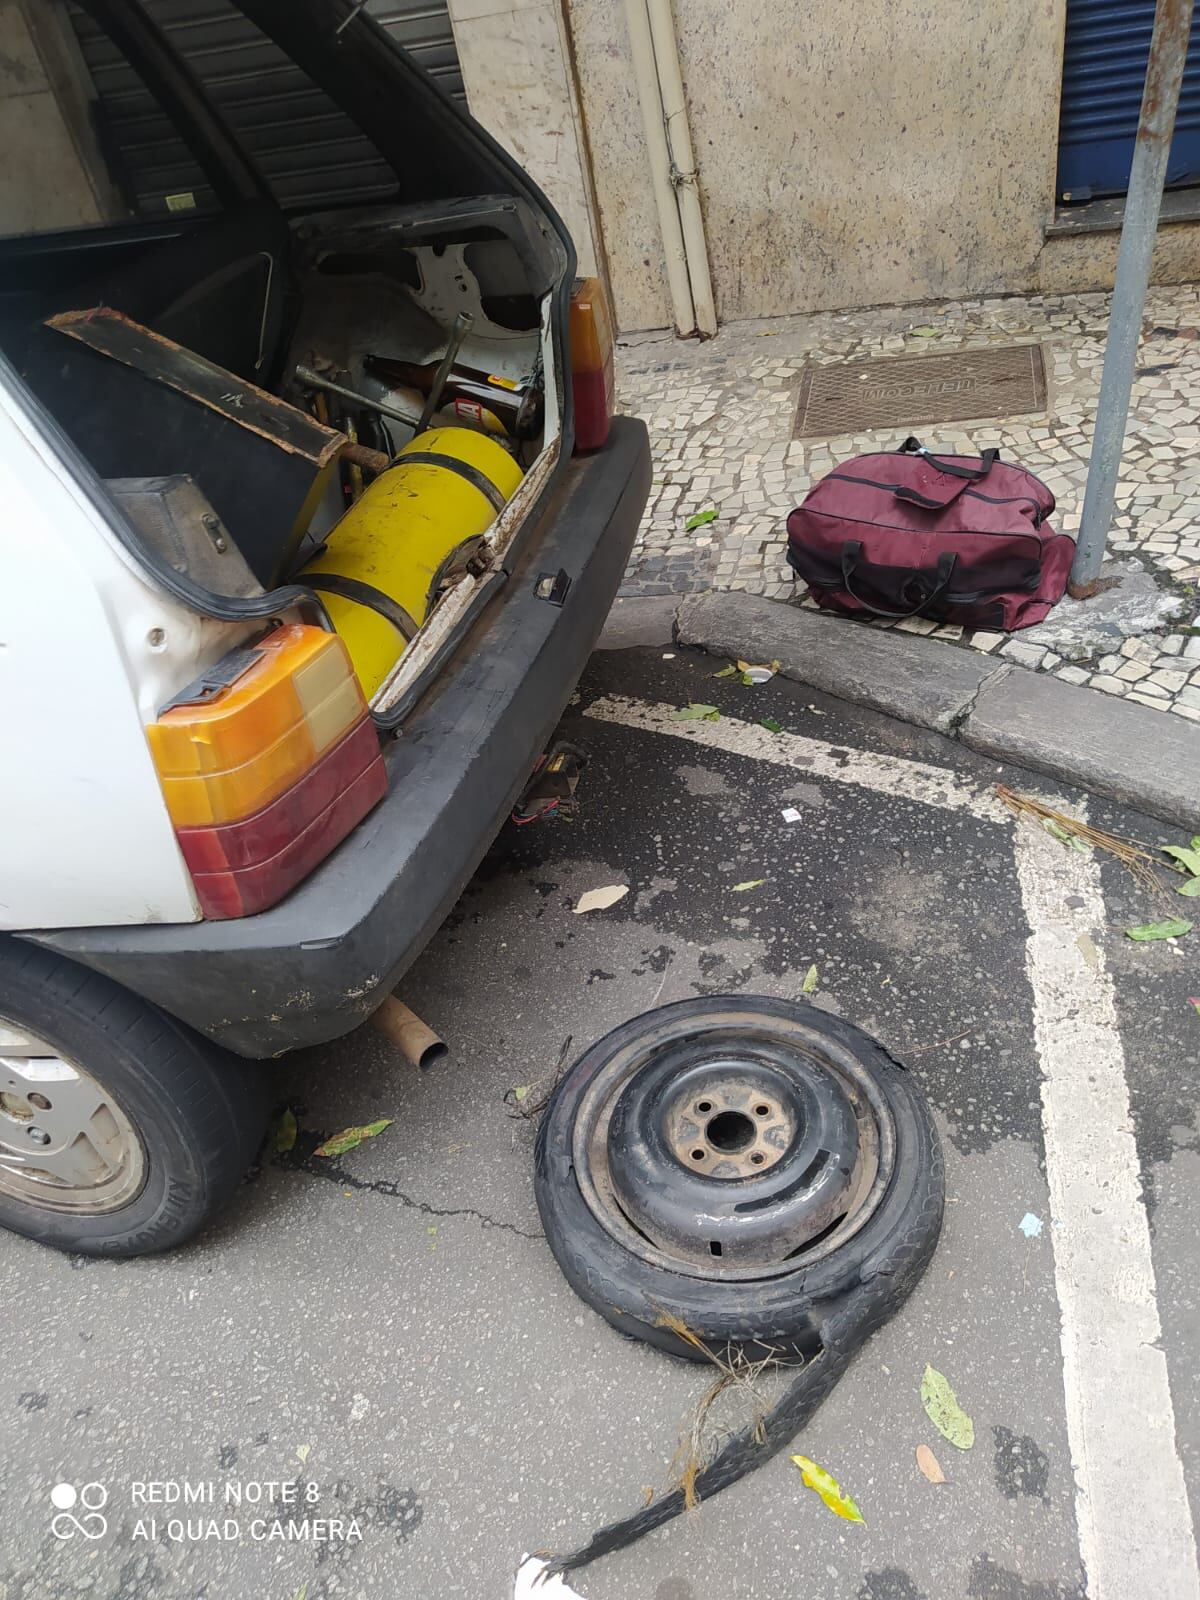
(1135, 1530)
(891, 775)
(1134, 1525)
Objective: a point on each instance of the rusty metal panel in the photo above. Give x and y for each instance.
(901, 391)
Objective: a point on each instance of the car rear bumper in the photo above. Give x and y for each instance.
(315, 965)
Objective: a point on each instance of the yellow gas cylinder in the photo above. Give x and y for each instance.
(376, 572)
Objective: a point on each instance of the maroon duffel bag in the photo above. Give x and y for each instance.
(906, 534)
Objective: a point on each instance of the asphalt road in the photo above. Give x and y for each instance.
(391, 1329)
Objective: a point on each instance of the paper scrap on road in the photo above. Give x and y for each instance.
(532, 1584)
(601, 899)
(790, 814)
(1030, 1225)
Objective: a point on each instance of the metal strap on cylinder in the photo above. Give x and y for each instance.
(366, 594)
(464, 469)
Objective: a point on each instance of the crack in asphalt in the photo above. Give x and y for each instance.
(302, 1159)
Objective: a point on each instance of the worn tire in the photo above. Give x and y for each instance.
(198, 1113)
(880, 1264)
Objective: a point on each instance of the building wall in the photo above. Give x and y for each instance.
(851, 153)
(515, 64)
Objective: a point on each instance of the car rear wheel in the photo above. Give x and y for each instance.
(122, 1132)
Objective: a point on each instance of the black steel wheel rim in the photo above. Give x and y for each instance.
(733, 1145)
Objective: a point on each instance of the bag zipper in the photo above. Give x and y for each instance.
(974, 494)
(908, 454)
(974, 533)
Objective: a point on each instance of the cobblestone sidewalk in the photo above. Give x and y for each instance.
(721, 414)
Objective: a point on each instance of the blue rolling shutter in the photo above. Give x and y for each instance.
(1104, 67)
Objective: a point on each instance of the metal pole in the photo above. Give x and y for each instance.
(1160, 97)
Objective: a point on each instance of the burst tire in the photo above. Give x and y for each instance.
(611, 1140)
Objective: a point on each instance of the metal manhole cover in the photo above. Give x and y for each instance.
(900, 391)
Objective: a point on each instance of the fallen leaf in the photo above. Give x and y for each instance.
(725, 672)
(1087, 949)
(696, 713)
(700, 518)
(830, 1490)
(601, 899)
(811, 979)
(1191, 887)
(770, 724)
(286, 1131)
(1171, 928)
(1189, 860)
(350, 1138)
(943, 1410)
(301, 1593)
(1194, 1000)
(1065, 836)
(302, 1451)
(750, 883)
(522, 1093)
(924, 333)
(929, 1464)
(1030, 1225)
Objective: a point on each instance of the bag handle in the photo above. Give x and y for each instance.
(987, 460)
(852, 550)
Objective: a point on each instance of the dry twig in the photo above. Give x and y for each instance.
(1145, 865)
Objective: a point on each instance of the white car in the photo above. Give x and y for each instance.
(226, 833)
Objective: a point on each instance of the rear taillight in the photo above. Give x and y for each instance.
(591, 363)
(266, 762)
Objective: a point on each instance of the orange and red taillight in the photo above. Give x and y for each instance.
(266, 763)
(592, 379)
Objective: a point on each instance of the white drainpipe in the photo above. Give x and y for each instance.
(672, 164)
(683, 162)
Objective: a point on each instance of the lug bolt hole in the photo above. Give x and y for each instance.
(697, 1155)
(703, 1107)
(762, 1111)
(40, 1101)
(756, 1157)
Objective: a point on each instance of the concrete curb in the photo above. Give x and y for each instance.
(1126, 752)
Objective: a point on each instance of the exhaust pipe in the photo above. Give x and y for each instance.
(416, 1042)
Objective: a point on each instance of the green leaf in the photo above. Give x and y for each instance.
(830, 1490)
(1192, 887)
(750, 883)
(770, 724)
(725, 672)
(811, 979)
(1196, 841)
(351, 1138)
(1189, 860)
(943, 1410)
(700, 518)
(1194, 1000)
(1172, 928)
(747, 680)
(286, 1130)
(695, 713)
(522, 1093)
(924, 333)
(1065, 836)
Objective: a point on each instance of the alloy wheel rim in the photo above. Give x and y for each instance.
(66, 1144)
